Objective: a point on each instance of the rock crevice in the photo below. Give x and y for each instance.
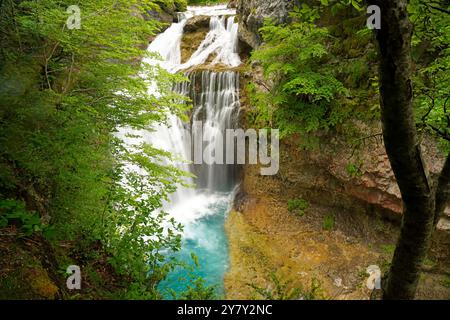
(253, 13)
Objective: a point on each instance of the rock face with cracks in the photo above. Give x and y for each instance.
(352, 220)
(252, 14)
(365, 210)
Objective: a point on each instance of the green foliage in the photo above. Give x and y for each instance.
(358, 72)
(295, 59)
(181, 5)
(198, 290)
(428, 263)
(173, 5)
(196, 287)
(431, 52)
(14, 212)
(357, 4)
(285, 290)
(446, 282)
(353, 170)
(388, 249)
(64, 95)
(205, 2)
(329, 222)
(298, 206)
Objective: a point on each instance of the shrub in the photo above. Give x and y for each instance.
(294, 58)
(14, 212)
(298, 206)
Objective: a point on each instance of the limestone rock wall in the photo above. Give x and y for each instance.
(252, 13)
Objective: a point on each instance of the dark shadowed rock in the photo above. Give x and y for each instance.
(159, 15)
(197, 23)
(233, 4)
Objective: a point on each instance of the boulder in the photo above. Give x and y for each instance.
(197, 24)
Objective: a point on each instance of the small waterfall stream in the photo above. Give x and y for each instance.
(215, 98)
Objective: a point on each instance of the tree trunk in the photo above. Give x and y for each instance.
(403, 149)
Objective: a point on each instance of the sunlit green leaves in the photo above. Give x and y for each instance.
(63, 95)
(294, 58)
(431, 53)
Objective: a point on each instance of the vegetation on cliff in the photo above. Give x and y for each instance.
(319, 78)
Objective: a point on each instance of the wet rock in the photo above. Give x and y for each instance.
(233, 4)
(197, 23)
(160, 15)
(191, 41)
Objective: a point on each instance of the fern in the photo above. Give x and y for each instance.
(294, 59)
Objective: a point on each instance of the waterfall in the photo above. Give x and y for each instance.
(217, 107)
(215, 102)
(215, 99)
(222, 40)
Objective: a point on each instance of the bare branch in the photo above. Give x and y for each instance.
(442, 134)
(439, 9)
(425, 116)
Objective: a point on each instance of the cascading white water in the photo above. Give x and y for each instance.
(217, 107)
(215, 96)
(218, 100)
(222, 40)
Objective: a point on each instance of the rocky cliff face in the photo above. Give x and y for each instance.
(167, 11)
(351, 222)
(347, 180)
(354, 205)
(252, 14)
(361, 178)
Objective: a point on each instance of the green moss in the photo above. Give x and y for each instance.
(446, 282)
(329, 222)
(388, 249)
(23, 277)
(205, 2)
(14, 286)
(181, 5)
(353, 170)
(40, 283)
(428, 263)
(298, 206)
(172, 6)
